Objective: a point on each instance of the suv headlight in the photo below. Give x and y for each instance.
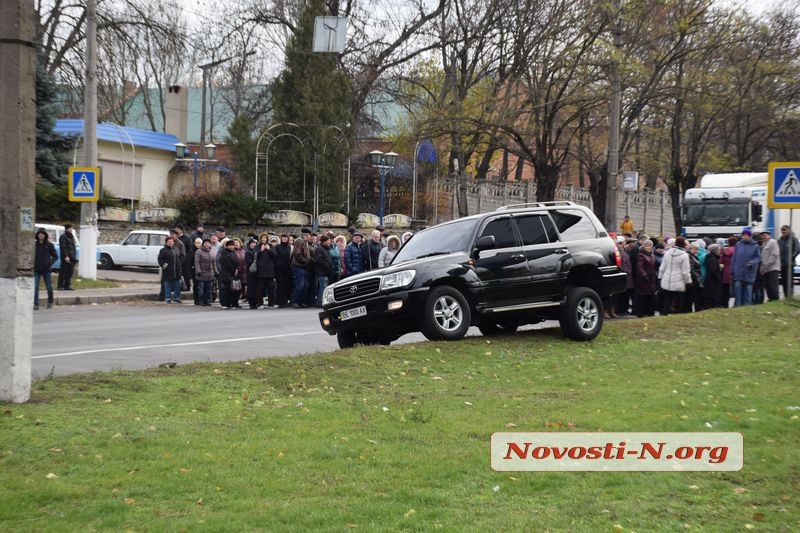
(404, 278)
(327, 295)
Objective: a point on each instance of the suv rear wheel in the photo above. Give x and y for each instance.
(581, 317)
(447, 315)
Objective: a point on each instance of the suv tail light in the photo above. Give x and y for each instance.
(617, 257)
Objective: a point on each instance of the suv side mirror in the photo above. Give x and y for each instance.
(485, 243)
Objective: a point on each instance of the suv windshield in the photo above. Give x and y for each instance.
(443, 239)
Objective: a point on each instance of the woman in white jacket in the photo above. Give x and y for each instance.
(389, 251)
(675, 275)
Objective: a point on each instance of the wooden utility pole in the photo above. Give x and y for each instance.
(17, 197)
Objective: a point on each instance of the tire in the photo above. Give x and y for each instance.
(346, 339)
(106, 261)
(581, 316)
(447, 315)
(490, 327)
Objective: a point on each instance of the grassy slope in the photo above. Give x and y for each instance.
(397, 438)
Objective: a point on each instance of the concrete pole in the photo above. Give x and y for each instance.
(17, 197)
(87, 266)
(613, 134)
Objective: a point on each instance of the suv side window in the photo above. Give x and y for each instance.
(503, 231)
(573, 225)
(536, 229)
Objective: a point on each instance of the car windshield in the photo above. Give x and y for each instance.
(442, 239)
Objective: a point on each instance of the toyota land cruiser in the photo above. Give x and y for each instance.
(518, 265)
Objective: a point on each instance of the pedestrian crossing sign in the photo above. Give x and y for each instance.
(784, 186)
(84, 184)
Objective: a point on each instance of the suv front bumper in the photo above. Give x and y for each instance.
(396, 312)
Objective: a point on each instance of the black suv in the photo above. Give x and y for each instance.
(518, 265)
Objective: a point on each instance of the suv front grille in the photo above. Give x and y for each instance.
(359, 289)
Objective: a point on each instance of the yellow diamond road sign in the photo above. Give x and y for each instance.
(84, 184)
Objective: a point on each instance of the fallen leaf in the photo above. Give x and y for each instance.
(410, 513)
(511, 425)
(56, 450)
(199, 502)
(740, 490)
(467, 403)
(351, 526)
(129, 501)
(758, 517)
(496, 488)
(51, 476)
(107, 400)
(617, 528)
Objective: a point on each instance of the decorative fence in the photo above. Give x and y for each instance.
(650, 211)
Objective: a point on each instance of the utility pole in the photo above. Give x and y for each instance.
(17, 197)
(205, 68)
(614, 119)
(87, 268)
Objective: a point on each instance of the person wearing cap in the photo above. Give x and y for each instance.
(169, 259)
(354, 255)
(229, 270)
(69, 256)
(770, 265)
(179, 247)
(44, 255)
(205, 271)
(188, 255)
(627, 227)
(745, 264)
(220, 233)
(323, 267)
(266, 257)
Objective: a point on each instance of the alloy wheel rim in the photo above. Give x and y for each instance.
(448, 313)
(588, 314)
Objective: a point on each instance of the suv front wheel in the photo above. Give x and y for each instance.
(581, 317)
(447, 315)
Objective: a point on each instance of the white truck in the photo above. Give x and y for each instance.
(725, 204)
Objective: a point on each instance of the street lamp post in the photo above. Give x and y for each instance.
(384, 162)
(180, 153)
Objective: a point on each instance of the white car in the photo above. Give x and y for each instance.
(140, 248)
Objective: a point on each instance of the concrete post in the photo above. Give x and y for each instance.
(17, 196)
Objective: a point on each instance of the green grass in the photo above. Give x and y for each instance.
(397, 438)
(82, 283)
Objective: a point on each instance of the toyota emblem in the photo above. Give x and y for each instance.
(353, 289)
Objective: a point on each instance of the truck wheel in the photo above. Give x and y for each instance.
(447, 315)
(491, 327)
(346, 339)
(581, 316)
(106, 261)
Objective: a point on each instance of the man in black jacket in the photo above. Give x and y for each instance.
(69, 255)
(323, 266)
(43, 258)
(171, 263)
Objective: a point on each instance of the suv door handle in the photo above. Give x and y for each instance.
(560, 251)
(518, 257)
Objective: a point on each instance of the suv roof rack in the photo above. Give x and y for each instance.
(535, 204)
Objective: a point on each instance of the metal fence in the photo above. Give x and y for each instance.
(650, 211)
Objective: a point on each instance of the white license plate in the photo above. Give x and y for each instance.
(356, 312)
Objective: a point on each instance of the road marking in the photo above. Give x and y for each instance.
(172, 345)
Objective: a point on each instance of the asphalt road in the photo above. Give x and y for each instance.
(139, 335)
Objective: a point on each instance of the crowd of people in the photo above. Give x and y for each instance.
(680, 276)
(267, 270)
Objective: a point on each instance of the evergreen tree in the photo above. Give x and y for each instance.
(242, 149)
(313, 93)
(51, 164)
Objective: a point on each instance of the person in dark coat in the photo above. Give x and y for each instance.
(323, 267)
(171, 262)
(69, 256)
(283, 271)
(229, 270)
(205, 269)
(255, 297)
(372, 250)
(646, 282)
(354, 256)
(266, 261)
(712, 288)
(43, 258)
